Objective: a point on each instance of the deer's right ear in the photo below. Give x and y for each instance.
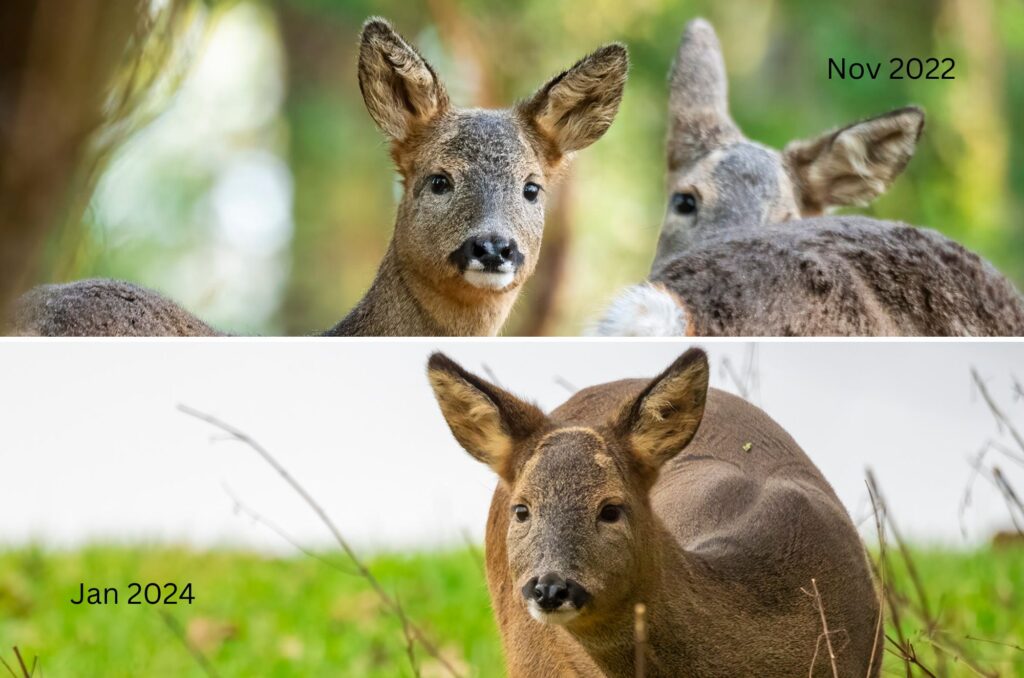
(665, 416)
(698, 102)
(399, 87)
(486, 420)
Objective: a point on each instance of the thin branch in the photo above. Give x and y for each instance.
(909, 655)
(996, 642)
(880, 531)
(639, 640)
(824, 632)
(410, 644)
(564, 383)
(491, 375)
(1009, 496)
(196, 653)
(389, 602)
(240, 507)
(1000, 416)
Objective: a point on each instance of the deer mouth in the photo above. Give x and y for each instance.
(477, 275)
(559, 617)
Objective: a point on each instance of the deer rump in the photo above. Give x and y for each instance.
(755, 520)
(839, 275)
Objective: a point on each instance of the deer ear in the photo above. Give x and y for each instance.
(575, 108)
(855, 164)
(665, 416)
(399, 87)
(698, 100)
(486, 420)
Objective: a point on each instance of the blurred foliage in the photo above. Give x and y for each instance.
(159, 222)
(260, 616)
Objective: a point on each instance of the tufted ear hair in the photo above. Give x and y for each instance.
(698, 100)
(400, 89)
(855, 164)
(486, 420)
(663, 419)
(575, 108)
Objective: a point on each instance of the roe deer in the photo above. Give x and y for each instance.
(743, 250)
(469, 224)
(662, 492)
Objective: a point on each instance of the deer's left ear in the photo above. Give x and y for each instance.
(855, 164)
(664, 417)
(575, 108)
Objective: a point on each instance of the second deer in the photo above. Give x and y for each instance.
(745, 251)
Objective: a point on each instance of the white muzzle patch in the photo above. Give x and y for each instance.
(476, 276)
(559, 617)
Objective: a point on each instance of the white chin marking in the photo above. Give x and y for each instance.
(486, 280)
(642, 311)
(557, 617)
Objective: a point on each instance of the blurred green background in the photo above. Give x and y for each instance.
(262, 197)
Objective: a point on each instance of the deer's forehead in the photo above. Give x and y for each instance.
(729, 168)
(568, 464)
(485, 141)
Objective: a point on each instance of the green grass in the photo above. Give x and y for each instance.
(294, 616)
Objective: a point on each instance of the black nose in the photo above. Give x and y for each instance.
(551, 590)
(492, 253)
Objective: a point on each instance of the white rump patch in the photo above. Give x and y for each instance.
(559, 617)
(644, 310)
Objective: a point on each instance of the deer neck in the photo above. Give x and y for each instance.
(402, 303)
(685, 610)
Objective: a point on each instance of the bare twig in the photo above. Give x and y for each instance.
(491, 375)
(1001, 419)
(25, 672)
(909, 655)
(196, 653)
(1013, 501)
(241, 507)
(564, 383)
(389, 602)
(747, 379)
(958, 657)
(639, 640)
(996, 642)
(410, 644)
(880, 531)
(825, 633)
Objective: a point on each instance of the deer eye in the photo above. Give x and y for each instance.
(440, 184)
(531, 191)
(684, 203)
(610, 513)
(521, 512)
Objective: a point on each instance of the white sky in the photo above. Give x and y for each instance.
(93, 447)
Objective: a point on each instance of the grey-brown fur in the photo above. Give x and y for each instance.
(426, 284)
(98, 308)
(847, 276)
(717, 541)
(743, 250)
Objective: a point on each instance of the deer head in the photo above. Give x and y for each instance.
(581, 528)
(718, 179)
(475, 181)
